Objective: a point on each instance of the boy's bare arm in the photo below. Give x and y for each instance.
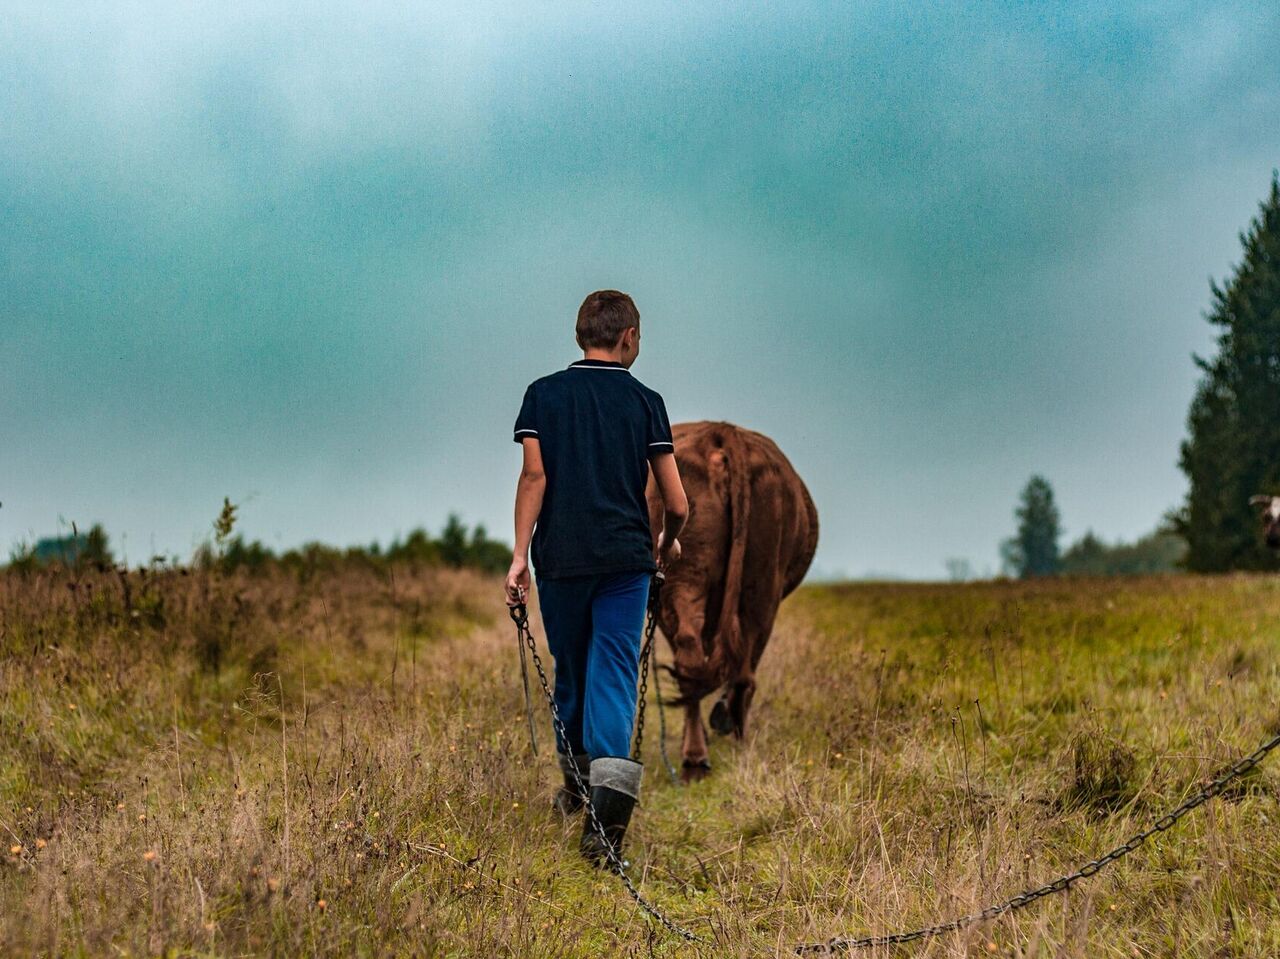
(675, 507)
(529, 489)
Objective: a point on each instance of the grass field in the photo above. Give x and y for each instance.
(336, 764)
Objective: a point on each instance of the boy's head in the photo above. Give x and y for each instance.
(608, 322)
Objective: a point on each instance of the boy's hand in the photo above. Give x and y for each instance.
(668, 553)
(517, 581)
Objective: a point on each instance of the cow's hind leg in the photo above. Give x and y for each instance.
(721, 720)
(760, 613)
(697, 760)
(738, 704)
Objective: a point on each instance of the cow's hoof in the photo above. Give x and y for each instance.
(721, 721)
(695, 770)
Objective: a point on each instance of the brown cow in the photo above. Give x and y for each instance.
(750, 537)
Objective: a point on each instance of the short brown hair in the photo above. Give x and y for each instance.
(603, 316)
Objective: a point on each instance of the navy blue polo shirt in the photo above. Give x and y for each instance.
(597, 426)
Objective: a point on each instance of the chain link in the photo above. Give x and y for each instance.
(1062, 883)
(520, 615)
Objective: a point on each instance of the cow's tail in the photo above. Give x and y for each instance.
(728, 651)
(733, 647)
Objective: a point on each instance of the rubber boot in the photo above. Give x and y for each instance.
(569, 798)
(615, 787)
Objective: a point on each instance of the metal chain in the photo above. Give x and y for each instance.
(648, 653)
(520, 615)
(649, 657)
(643, 694)
(1062, 883)
(528, 700)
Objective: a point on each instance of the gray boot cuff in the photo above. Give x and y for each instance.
(622, 775)
(581, 760)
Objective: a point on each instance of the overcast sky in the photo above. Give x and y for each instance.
(310, 261)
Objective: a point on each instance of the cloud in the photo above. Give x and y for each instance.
(315, 254)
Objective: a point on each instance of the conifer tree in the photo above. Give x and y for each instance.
(1033, 550)
(1232, 450)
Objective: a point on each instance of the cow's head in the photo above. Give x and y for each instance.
(1270, 506)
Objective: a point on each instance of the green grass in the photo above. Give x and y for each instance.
(246, 748)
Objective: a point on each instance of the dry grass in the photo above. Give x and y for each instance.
(338, 766)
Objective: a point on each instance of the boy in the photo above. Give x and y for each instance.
(591, 433)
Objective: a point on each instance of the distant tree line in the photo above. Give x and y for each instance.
(1161, 551)
(456, 546)
(1232, 450)
(77, 550)
(1033, 550)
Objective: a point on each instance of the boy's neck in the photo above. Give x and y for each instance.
(595, 353)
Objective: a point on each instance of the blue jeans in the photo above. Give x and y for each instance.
(594, 626)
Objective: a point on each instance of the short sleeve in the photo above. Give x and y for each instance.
(527, 420)
(659, 436)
